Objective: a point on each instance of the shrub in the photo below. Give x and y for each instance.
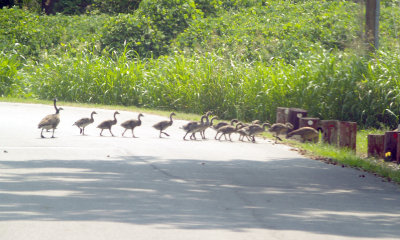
(134, 33)
(115, 6)
(170, 16)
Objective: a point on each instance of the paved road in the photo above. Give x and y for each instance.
(90, 187)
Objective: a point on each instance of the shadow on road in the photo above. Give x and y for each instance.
(193, 194)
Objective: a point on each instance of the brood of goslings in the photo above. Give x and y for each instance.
(280, 129)
(306, 134)
(51, 121)
(108, 124)
(83, 122)
(131, 124)
(192, 127)
(161, 126)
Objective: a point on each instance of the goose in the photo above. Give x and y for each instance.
(108, 124)
(51, 121)
(228, 129)
(306, 134)
(192, 127)
(280, 128)
(255, 129)
(221, 124)
(83, 122)
(164, 125)
(202, 128)
(131, 124)
(243, 131)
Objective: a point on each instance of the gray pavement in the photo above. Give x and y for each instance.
(92, 187)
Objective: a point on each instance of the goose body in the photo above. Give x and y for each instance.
(255, 129)
(84, 122)
(227, 130)
(306, 134)
(161, 126)
(192, 127)
(51, 121)
(108, 124)
(280, 128)
(131, 124)
(222, 124)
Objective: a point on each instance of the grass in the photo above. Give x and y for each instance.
(349, 158)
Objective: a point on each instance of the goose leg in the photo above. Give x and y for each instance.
(216, 136)
(41, 133)
(194, 136)
(52, 136)
(220, 137)
(80, 130)
(225, 137)
(166, 133)
(83, 131)
(101, 132)
(184, 137)
(124, 131)
(111, 132)
(133, 135)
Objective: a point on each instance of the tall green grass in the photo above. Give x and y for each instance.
(329, 85)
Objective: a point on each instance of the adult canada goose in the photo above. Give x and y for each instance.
(83, 122)
(161, 126)
(108, 124)
(255, 129)
(51, 121)
(131, 124)
(306, 134)
(192, 127)
(228, 129)
(280, 128)
(221, 124)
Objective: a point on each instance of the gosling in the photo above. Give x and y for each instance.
(108, 124)
(131, 124)
(161, 126)
(306, 134)
(84, 122)
(280, 129)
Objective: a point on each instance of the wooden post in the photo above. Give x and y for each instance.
(309, 122)
(294, 116)
(376, 145)
(391, 144)
(282, 115)
(398, 153)
(348, 135)
(330, 130)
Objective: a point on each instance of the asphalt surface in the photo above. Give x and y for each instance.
(91, 187)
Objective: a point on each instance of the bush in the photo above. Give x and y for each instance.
(133, 33)
(10, 84)
(115, 6)
(170, 16)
